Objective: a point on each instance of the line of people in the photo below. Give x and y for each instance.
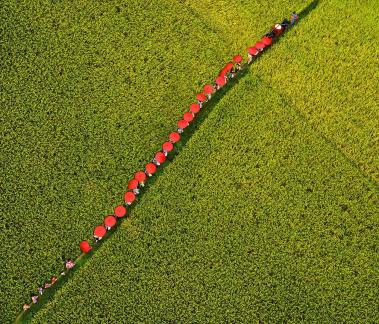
(230, 70)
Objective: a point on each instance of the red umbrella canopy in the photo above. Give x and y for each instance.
(167, 146)
(99, 231)
(220, 80)
(85, 247)
(208, 89)
(267, 40)
(223, 72)
(194, 108)
(174, 137)
(252, 51)
(140, 176)
(133, 184)
(188, 117)
(110, 221)
(237, 59)
(260, 45)
(182, 124)
(129, 197)
(201, 97)
(228, 66)
(160, 157)
(150, 168)
(120, 211)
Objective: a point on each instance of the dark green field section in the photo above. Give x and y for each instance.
(258, 219)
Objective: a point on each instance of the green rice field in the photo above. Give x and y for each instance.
(268, 212)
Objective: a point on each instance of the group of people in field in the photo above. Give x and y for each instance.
(138, 182)
(69, 264)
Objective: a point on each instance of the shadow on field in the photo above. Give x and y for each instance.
(48, 294)
(307, 10)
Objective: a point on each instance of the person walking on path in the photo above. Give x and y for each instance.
(69, 264)
(294, 18)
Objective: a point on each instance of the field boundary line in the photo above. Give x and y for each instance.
(319, 133)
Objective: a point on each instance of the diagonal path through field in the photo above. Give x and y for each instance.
(81, 261)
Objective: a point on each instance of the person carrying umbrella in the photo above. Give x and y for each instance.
(174, 137)
(252, 53)
(294, 18)
(238, 59)
(140, 176)
(208, 90)
(167, 147)
(220, 81)
(40, 290)
(85, 247)
(159, 158)
(133, 185)
(201, 98)
(129, 197)
(150, 169)
(99, 232)
(120, 210)
(182, 124)
(109, 222)
(277, 29)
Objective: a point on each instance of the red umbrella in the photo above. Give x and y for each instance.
(150, 168)
(160, 157)
(188, 117)
(167, 146)
(223, 72)
(201, 97)
(85, 247)
(133, 184)
(120, 211)
(174, 137)
(194, 108)
(140, 176)
(220, 80)
(99, 231)
(228, 66)
(110, 221)
(182, 124)
(267, 40)
(237, 59)
(260, 45)
(208, 89)
(252, 51)
(129, 197)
